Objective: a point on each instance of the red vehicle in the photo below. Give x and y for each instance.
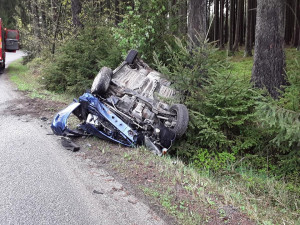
(2, 47)
(9, 42)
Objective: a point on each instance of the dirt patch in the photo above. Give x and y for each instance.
(165, 189)
(36, 108)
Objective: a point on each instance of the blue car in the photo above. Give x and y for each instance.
(128, 106)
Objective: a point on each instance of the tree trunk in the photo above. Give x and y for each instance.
(54, 14)
(226, 21)
(234, 19)
(253, 20)
(173, 16)
(296, 23)
(208, 14)
(221, 27)
(56, 29)
(269, 60)
(196, 21)
(248, 44)
(42, 10)
(231, 24)
(76, 10)
(216, 21)
(182, 28)
(35, 18)
(239, 21)
(209, 25)
(117, 12)
(242, 24)
(298, 48)
(289, 22)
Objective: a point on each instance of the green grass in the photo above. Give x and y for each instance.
(242, 66)
(179, 211)
(28, 79)
(292, 59)
(18, 74)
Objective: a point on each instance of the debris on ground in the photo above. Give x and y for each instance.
(69, 145)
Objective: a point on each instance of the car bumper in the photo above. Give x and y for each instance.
(59, 123)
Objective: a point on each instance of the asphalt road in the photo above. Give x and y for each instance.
(42, 183)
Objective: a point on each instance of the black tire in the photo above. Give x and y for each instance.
(101, 81)
(132, 54)
(2, 68)
(182, 119)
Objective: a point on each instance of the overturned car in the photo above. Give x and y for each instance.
(128, 106)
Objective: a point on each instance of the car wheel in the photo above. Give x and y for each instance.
(2, 68)
(132, 54)
(181, 119)
(102, 80)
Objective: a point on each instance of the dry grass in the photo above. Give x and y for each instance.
(195, 197)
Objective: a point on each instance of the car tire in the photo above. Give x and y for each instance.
(101, 81)
(182, 119)
(132, 54)
(2, 68)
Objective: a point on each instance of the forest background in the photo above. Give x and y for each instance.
(244, 109)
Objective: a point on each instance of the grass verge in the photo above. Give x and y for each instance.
(27, 78)
(198, 197)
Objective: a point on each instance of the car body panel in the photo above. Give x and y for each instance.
(95, 103)
(59, 123)
(95, 106)
(11, 40)
(2, 46)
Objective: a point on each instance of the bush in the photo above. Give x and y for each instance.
(221, 105)
(77, 61)
(282, 119)
(231, 122)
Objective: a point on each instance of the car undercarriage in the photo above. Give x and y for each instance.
(128, 106)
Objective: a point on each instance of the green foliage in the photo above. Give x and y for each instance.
(77, 62)
(31, 44)
(291, 96)
(285, 122)
(145, 28)
(8, 12)
(230, 122)
(221, 106)
(212, 161)
(282, 119)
